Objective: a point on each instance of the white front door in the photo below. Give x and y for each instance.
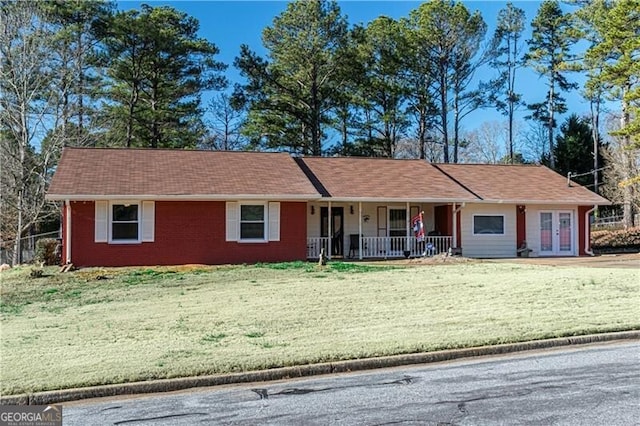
(556, 233)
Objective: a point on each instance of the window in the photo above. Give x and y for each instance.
(488, 224)
(397, 222)
(125, 223)
(252, 222)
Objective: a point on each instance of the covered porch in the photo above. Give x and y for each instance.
(378, 230)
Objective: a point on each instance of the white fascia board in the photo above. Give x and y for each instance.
(204, 197)
(545, 202)
(397, 200)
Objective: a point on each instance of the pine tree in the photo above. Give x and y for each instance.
(550, 56)
(383, 90)
(507, 58)
(572, 150)
(157, 68)
(616, 49)
(449, 38)
(290, 96)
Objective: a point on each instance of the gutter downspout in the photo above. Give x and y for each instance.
(67, 243)
(454, 243)
(587, 232)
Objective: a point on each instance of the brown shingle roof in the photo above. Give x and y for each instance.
(520, 184)
(85, 173)
(383, 179)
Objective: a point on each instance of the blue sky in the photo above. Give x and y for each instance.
(228, 24)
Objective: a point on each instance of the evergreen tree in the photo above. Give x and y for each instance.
(572, 150)
(506, 57)
(78, 75)
(290, 95)
(157, 68)
(449, 38)
(616, 50)
(383, 90)
(550, 56)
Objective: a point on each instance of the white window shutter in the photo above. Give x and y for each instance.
(232, 221)
(274, 221)
(148, 221)
(101, 222)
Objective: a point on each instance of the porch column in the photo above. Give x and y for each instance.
(360, 230)
(408, 225)
(67, 242)
(454, 227)
(329, 230)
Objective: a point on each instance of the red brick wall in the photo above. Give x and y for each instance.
(581, 230)
(188, 232)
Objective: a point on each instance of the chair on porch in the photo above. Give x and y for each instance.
(354, 245)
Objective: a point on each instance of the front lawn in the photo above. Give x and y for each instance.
(98, 326)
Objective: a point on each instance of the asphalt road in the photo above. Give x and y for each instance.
(587, 385)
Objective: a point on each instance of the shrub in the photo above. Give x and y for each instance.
(621, 238)
(47, 251)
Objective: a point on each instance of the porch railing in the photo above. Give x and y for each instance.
(315, 244)
(384, 247)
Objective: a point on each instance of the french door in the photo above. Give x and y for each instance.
(556, 233)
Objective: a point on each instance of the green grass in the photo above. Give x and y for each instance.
(97, 326)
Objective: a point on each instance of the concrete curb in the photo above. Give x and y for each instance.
(167, 385)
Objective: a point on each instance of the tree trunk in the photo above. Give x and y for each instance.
(17, 244)
(80, 74)
(155, 129)
(422, 130)
(456, 125)
(443, 114)
(595, 124)
(510, 130)
(552, 157)
(316, 146)
(627, 209)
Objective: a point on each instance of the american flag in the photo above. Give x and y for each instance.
(418, 226)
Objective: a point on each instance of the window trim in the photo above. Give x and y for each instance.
(504, 225)
(265, 222)
(112, 203)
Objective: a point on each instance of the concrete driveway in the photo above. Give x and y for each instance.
(627, 260)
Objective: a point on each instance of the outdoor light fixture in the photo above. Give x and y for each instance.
(351, 209)
(313, 210)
